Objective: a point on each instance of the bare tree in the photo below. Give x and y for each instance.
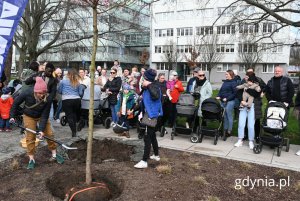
(295, 56)
(249, 51)
(211, 52)
(170, 54)
(144, 57)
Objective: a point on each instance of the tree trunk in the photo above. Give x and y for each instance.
(91, 106)
(21, 64)
(8, 64)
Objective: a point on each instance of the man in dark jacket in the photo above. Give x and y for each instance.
(280, 88)
(36, 111)
(191, 81)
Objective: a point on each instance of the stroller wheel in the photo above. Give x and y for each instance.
(194, 138)
(63, 120)
(287, 144)
(279, 151)
(215, 139)
(257, 149)
(107, 123)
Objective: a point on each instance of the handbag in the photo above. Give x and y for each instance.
(149, 122)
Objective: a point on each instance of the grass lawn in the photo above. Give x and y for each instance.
(292, 131)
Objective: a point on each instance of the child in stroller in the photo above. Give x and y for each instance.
(125, 105)
(273, 127)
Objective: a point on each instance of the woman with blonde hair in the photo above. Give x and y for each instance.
(71, 91)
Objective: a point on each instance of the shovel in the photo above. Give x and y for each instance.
(48, 138)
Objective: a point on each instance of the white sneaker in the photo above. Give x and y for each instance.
(142, 164)
(156, 158)
(251, 144)
(298, 153)
(239, 143)
(112, 124)
(58, 121)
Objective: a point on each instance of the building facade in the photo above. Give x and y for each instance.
(185, 32)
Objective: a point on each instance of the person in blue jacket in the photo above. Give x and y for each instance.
(227, 95)
(152, 105)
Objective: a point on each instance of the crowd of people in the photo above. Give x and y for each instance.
(132, 93)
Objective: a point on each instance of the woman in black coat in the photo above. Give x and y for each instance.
(112, 88)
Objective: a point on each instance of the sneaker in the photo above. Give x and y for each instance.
(31, 165)
(59, 159)
(298, 153)
(142, 164)
(112, 124)
(57, 121)
(156, 158)
(1, 130)
(8, 130)
(239, 143)
(251, 144)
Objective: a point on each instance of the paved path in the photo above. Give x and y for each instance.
(9, 146)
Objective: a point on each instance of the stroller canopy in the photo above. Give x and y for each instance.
(186, 99)
(211, 105)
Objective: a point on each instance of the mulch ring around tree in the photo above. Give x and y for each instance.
(178, 176)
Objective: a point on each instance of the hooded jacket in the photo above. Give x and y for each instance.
(6, 102)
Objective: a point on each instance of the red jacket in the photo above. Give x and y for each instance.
(5, 106)
(176, 91)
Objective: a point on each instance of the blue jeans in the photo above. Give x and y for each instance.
(228, 116)
(114, 115)
(4, 123)
(58, 110)
(249, 116)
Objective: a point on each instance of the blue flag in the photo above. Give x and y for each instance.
(10, 14)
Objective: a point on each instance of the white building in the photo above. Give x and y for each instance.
(185, 25)
(124, 33)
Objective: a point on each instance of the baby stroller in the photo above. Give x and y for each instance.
(101, 110)
(185, 109)
(273, 127)
(211, 112)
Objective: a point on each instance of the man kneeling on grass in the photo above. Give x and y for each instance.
(36, 110)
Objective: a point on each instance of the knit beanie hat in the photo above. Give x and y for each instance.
(150, 75)
(40, 85)
(126, 86)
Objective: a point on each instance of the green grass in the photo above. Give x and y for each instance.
(292, 131)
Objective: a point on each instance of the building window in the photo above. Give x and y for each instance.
(272, 47)
(164, 66)
(242, 68)
(270, 27)
(269, 68)
(249, 48)
(203, 67)
(224, 67)
(248, 28)
(163, 32)
(185, 31)
(225, 48)
(158, 49)
(207, 30)
(229, 29)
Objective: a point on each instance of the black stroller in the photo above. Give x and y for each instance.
(102, 113)
(211, 112)
(273, 127)
(185, 109)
